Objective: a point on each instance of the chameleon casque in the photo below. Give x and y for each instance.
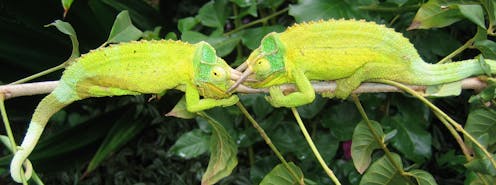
(347, 51)
(133, 68)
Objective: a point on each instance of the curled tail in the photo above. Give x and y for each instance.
(45, 109)
(433, 74)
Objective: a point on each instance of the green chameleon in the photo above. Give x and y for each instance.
(133, 68)
(347, 51)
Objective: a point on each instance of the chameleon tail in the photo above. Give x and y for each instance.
(433, 74)
(45, 109)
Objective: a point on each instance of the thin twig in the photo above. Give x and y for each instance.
(29, 89)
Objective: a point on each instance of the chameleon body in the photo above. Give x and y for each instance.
(133, 68)
(347, 51)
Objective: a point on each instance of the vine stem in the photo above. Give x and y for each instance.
(262, 20)
(378, 139)
(268, 141)
(8, 129)
(435, 109)
(457, 51)
(457, 136)
(37, 75)
(314, 148)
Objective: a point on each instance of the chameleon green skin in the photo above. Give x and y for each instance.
(347, 51)
(150, 67)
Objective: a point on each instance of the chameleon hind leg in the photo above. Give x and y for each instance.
(371, 70)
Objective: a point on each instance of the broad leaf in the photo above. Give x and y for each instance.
(222, 44)
(186, 24)
(311, 10)
(251, 37)
(436, 14)
(66, 4)
(223, 152)
(180, 110)
(213, 14)
(480, 122)
(383, 172)
(423, 178)
(443, 90)
(474, 13)
(281, 175)
(191, 144)
(364, 143)
(341, 119)
(479, 179)
(487, 47)
(123, 29)
(67, 29)
(310, 110)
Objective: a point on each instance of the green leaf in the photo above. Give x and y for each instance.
(423, 178)
(66, 4)
(281, 175)
(443, 90)
(121, 132)
(191, 144)
(309, 111)
(436, 14)
(67, 29)
(383, 172)
(311, 10)
(474, 13)
(251, 37)
(222, 44)
(481, 163)
(123, 29)
(186, 24)
(341, 119)
(223, 152)
(213, 14)
(487, 47)
(490, 7)
(180, 110)
(479, 179)
(482, 121)
(364, 143)
(412, 140)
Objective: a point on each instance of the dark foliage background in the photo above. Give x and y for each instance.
(148, 153)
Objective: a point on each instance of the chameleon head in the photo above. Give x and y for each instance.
(265, 63)
(212, 74)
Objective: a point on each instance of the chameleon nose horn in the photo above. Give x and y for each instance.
(241, 79)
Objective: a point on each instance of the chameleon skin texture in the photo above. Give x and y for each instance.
(349, 52)
(133, 68)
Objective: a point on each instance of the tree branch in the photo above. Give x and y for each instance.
(29, 89)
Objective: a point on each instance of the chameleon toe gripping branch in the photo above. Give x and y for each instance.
(143, 67)
(347, 51)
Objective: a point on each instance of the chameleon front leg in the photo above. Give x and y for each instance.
(304, 95)
(195, 104)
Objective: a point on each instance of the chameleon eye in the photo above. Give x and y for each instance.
(218, 73)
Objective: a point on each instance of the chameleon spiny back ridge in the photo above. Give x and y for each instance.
(356, 37)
